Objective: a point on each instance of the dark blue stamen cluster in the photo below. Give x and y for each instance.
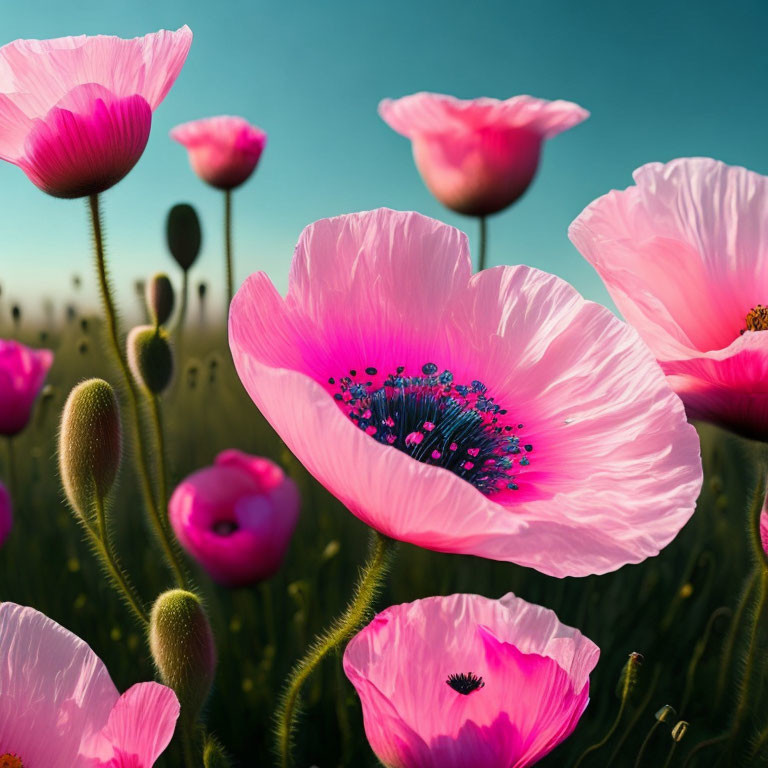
(465, 684)
(437, 421)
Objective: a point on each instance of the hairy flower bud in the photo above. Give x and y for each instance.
(150, 357)
(182, 646)
(183, 234)
(90, 444)
(629, 676)
(213, 755)
(160, 298)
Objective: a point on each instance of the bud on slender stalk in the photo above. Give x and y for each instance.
(679, 731)
(182, 646)
(160, 298)
(90, 444)
(183, 234)
(667, 712)
(150, 357)
(629, 676)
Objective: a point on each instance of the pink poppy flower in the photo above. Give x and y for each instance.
(684, 254)
(22, 373)
(478, 156)
(499, 415)
(223, 151)
(75, 112)
(449, 682)
(6, 514)
(60, 709)
(236, 518)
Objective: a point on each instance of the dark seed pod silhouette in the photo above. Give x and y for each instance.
(184, 235)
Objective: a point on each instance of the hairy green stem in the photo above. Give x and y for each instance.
(702, 745)
(368, 586)
(228, 246)
(113, 337)
(483, 246)
(600, 744)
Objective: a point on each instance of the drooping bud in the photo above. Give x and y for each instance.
(679, 730)
(214, 756)
(150, 357)
(629, 676)
(182, 646)
(667, 712)
(90, 444)
(183, 233)
(160, 298)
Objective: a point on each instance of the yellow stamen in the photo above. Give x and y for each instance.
(757, 319)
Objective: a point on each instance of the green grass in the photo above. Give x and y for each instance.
(675, 609)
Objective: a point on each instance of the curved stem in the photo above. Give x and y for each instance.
(113, 338)
(103, 545)
(483, 247)
(646, 742)
(368, 586)
(12, 482)
(162, 494)
(228, 245)
(672, 749)
(605, 738)
(702, 745)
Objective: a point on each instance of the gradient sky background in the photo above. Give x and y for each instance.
(662, 78)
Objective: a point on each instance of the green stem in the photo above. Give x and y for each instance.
(103, 545)
(702, 745)
(181, 317)
(228, 245)
(605, 738)
(483, 244)
(191, 759)
(12, 482)
(668, 761)
(162, 493)
(368, 586)
(646, 742)
(130, 386)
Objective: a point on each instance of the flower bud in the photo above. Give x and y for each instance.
(679, 730)
(150, 357)
(182, 646)
(160, 298)
(183, 234)
(213, 755)
(90, 444)
(667, 712)
(629, 676)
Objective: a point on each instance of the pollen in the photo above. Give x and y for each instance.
(756, 319)
(9, 760)
(465, 683)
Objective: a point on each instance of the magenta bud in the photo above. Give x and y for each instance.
(150, 357)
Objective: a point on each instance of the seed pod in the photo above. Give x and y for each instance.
(160, 298)
(183, 234)
(90, 444)
(150, 357)
(182, 646)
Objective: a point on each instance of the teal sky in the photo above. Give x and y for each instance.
(662, 78)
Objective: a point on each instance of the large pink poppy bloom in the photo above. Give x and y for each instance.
(236, 517)
(449, 682)
(75, 112)
(223, 151)
(684, 254)
(22, 373)
(60, 709)
(6, 514)
(499, 415)
(478, 156)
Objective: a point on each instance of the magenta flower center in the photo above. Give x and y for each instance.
(756, 319)
(10, 760)
(465, 683)
(437, 421)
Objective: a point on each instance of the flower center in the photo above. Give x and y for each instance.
(756, 319)
(9, 760)
(465, 684)
(222, 528)
(437, 421)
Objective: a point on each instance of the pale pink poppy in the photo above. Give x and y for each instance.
(22, 373)
(60, 709)
(236, 518)
(684, 254)
(478, 156)
(449, 682)
(499, 415)
(6, 514)
(75, 112)
(223, 151)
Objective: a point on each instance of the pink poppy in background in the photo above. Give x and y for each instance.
(223, 151)
(236, 518)
(60, 709)
(449, 682)
(22, 373)
(478, 156)
(75, 112)
(684, 254)
(6, 514)
(498, 415)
